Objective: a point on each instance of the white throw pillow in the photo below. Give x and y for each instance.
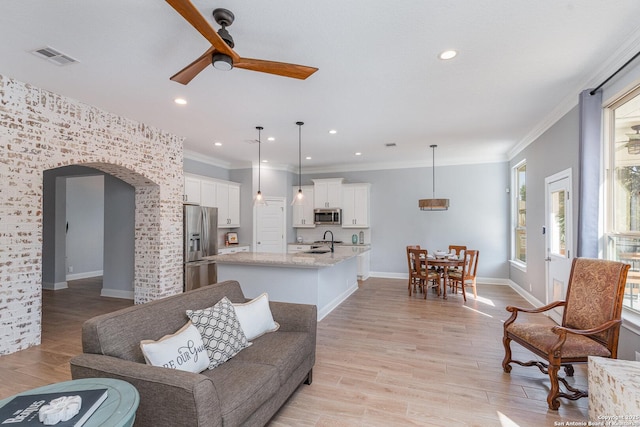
(220, 331)
(182, 350)
(255, 317)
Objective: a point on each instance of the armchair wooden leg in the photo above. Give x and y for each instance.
(309, 377)
(568, 369)
(506, 342)
(552, 397)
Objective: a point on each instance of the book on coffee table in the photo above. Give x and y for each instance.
(22, 411)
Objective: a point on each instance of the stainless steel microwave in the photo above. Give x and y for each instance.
(327, 216)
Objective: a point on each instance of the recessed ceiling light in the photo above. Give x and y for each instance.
(358, 154)
(180, 101)
(448, 54)
(271, 138)
(308, 157)
(333, 131)
(217, 144)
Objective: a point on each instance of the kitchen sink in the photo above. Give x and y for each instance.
(318, 251)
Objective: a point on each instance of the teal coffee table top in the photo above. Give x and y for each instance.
(118, 410)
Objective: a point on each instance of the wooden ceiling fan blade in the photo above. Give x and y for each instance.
(200, 23)
(279, 68)
(187, 74)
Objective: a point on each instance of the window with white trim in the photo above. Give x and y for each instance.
(519, 214)
(622, 223)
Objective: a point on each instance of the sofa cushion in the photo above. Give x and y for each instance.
(283, 350)
(183, 350)
(220, 331)
(242, 387)
(255, 317)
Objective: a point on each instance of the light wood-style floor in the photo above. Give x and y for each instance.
(383, 359)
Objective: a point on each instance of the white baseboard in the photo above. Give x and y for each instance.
(54, 286)
(524, 294)
(405, 276)
(116, 293)
(84, 275)
(386, 275)
(337, 301)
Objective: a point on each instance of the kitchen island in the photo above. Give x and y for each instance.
(322, 279)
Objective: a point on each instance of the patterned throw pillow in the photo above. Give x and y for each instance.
(220, 330)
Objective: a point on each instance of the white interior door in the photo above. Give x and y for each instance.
(558, 227)
(269, 226)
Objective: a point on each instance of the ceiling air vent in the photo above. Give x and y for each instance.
(390, 144)
(54, 56)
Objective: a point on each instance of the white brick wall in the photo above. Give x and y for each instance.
(40, 130)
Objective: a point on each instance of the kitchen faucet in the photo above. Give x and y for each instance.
(324, 237)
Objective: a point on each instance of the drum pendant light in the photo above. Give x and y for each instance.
(259, 199)
(433, 204)
(299, 198)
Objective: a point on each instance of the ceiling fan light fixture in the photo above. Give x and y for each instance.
(221, 61)
(433, 204)
(633, 146)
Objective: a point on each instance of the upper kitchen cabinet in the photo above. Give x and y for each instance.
(213, 193)
(208, 192)
(228, 203)
(355, 205)
(327, 193)
(303, 213)
(191, 190)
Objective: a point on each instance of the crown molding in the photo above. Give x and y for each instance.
(591, 80)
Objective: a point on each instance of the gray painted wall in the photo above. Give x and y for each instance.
(119, 237)
(85, 219)
(478, 215)
(554, 151)
(205, 169)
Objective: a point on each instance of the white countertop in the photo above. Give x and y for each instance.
(300, 260)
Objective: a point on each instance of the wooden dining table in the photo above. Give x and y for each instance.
(444, 264)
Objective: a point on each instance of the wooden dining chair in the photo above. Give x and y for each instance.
(590, 325)
(467, 275)
(413, 280)
(421, 272)
(458, 251)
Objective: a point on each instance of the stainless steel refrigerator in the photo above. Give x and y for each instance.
(200, 242)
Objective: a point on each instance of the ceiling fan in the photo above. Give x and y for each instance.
(221, 53)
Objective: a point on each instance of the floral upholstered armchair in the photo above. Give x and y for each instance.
(590, 325)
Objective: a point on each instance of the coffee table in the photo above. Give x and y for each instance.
(118, 410)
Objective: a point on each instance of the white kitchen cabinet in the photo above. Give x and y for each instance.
(327, 193)
(294, 248)
(232, 249)
(224, 195)
(191, 189)
(208, 193)
(228, 204)
(303, 213)
(355, 205)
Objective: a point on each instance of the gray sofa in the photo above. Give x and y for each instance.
(248, 389)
